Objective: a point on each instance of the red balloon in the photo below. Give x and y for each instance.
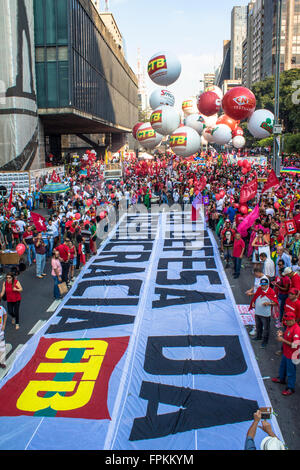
(245, 163)
(112, 196)
(110, 186)
(276, 205)
(102, 215)
(77, 216)
(228, 121)
(244, 209)
(136, 128)
(245, 170)
(240, 163)
(20, 249)
(222, 193)
(89, 202)
(218, 197)
(209, 103)
(239, 103)
(242, 178)
(237, 131)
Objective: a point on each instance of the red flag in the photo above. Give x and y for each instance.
(10, 197)
(248, 191)
(55, 178)
(39, 222)
(203, 182)
(271, 182)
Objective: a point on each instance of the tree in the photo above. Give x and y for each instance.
(289, 109)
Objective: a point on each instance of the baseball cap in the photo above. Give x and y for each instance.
(289, 316)
(287, 271)
(271, 443)
(264, 282)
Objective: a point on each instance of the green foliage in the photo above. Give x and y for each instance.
(291, 143)
(289, 111)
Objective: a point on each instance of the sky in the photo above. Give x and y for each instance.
(192, 29)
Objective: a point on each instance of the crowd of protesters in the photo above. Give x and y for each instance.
(270, 241)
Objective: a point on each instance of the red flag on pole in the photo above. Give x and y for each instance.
(10, 197)
(272, 182)
(39, 222)
(248, 191)
(55, 178)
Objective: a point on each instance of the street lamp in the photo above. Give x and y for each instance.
(277, 130)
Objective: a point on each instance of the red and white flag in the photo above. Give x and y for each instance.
(272, 182)
(39, 222)
(55, 177)
(248, 191)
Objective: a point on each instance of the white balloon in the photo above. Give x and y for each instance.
(161, 98)
(211, 121)
(222, 134)
(189, 106)
(215, 89)
(207, 135)
(239, 141)
(185, 141)
(147, 136)
(196, 121)
(260, 123)
(165, 120)
(164, 68)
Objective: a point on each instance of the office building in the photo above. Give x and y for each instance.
(209, 80)
(224, 69)
(238, 35)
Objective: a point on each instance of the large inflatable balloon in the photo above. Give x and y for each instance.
(147, 136)
(165, 120)
(215, 89)
(239, 103)
(209, 103)
(237, 131)
(189, 106)
(224, 119)
(185, 141)
(208, 136)
(211, 121)
(136, 128)
(196, 121)
(221, 134)
(164, 68)
(161, 98)
(239, 141)
(260, 124)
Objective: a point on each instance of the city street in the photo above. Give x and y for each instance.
(38, 306)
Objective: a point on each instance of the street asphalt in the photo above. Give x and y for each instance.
(38, 305)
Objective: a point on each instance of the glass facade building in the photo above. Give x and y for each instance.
(79, 66)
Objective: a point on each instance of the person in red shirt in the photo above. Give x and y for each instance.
(292, 304)
(294, 278)
(290, 340)
(238, 253)
(64, 258)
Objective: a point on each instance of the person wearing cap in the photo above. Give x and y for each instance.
(263, 301)
(270, 442)
(227, 239)
(294, 277)
(290, 340)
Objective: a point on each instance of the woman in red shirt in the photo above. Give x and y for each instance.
(12, 288)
